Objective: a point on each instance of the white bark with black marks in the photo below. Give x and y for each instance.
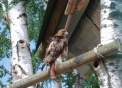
(21, 62)
(57, 80)
(109, 73)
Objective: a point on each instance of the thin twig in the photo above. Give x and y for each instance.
(6, 71)
(3, 6)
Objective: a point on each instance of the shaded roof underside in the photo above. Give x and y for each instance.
(84, 29)
(86, 35)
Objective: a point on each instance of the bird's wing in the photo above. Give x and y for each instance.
(65, 48)
(54, 49)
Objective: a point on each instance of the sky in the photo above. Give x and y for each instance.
(6, 63)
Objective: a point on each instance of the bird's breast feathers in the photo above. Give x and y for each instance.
(56, 47)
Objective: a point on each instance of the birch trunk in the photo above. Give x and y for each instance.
(109, 72)
(79, 73)
(57, 80)
(21, 62)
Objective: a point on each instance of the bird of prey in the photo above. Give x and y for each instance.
(57, 48)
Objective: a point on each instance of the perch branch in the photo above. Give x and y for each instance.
(78, 61)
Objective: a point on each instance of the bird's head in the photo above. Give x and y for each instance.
(62, 32)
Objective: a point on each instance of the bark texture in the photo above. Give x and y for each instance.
(21, 62)
(109, 72)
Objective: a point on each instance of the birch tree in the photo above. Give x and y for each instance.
(21, 62)
(109, 71)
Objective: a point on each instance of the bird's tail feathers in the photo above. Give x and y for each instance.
(52, 70)
(43, 66)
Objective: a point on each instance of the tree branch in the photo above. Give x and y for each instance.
(4, 69)
(83, 59)
(3, 6)
(4, 10)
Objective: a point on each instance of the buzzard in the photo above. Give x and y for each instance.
(57, 48)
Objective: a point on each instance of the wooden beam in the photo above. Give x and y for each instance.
(83, 59)
(68, 7)
(81, 4)
(70, 13)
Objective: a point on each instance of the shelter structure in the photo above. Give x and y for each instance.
(81, 18)
(84, 27)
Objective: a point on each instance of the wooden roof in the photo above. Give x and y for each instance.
(84, 29)
(86, 35)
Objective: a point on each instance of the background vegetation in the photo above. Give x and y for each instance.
(35, 10)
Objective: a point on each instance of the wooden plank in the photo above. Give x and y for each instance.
(73, 6)
(70, 14)
(68, 8)
(74, 21)
(81, 4)
(85, 37)
(81, 60)
(93, 12)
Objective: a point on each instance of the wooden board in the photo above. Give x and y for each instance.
(93, 12)
(87, 34)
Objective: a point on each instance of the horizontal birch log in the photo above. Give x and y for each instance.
(78, 61)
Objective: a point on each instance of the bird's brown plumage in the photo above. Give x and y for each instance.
(58, 46)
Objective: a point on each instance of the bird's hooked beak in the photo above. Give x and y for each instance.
(66, 33)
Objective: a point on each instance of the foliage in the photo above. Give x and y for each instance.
(91, 81)
(68, 79)
(1, 85)
(4, 42)
(2, 74)
(35, 13)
